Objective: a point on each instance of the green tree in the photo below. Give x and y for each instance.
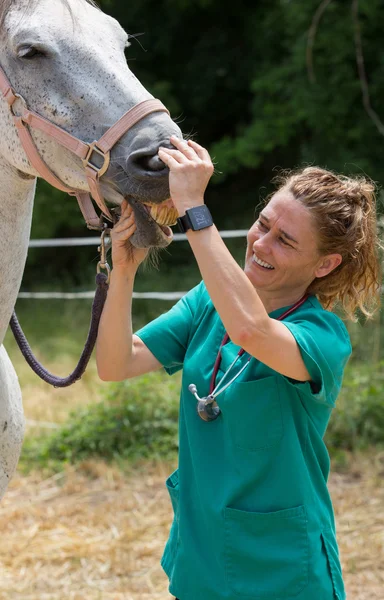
(259, 85)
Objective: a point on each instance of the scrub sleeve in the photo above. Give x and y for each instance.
(253, 518)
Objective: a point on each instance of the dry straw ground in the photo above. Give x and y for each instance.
(96, 533)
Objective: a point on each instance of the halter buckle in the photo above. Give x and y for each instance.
(93, 148)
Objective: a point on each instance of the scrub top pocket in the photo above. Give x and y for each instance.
(253, 415)
(256, 541)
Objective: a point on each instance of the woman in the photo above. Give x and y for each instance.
(253, 516)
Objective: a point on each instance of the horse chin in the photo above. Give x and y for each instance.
(143, 240)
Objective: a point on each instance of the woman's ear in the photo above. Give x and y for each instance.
(328, 264)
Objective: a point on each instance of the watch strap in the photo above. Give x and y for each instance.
(196, 218)
(184, 223)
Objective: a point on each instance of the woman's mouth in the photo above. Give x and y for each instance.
(262, 263)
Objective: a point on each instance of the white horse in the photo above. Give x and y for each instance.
(66, 59)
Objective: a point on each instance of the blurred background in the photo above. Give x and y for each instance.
(264, 85)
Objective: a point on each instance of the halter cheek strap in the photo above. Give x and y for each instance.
(26, 119)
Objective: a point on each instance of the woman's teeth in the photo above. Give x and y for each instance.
(261, 262)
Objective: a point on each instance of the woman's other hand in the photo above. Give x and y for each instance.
(190, 171)
(124, 254)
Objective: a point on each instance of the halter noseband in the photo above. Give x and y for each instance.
(26, 119)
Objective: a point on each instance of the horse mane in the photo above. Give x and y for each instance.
(5, 5)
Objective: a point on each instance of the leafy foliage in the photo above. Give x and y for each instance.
(358, 420)
(236, 77)
(139, 419)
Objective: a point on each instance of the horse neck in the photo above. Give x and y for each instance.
(16, 202)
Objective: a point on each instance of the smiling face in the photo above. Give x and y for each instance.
(282, 257)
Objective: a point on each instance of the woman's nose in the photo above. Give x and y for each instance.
(262, 243)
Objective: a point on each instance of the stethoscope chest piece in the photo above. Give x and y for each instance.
(207, 408)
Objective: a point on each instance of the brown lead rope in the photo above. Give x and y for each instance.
(60, 382)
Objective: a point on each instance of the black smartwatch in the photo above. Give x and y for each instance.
(195, 218)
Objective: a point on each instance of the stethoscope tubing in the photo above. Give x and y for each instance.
(214, 392)
(211, 413)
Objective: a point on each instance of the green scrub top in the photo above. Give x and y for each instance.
(253, 519)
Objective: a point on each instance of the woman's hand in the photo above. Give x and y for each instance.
(124, 255)
(190, 171)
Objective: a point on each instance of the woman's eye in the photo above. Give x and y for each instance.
(260, 224)
(282, 240)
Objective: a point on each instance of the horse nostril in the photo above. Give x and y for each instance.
(147, 162)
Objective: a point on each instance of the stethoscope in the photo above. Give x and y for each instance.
(207, 407)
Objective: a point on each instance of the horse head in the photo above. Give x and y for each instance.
(66, 59)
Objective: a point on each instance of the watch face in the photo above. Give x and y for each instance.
(200, 217)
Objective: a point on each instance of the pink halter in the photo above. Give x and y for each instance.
(29, 119)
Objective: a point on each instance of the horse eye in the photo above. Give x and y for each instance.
(29, 52)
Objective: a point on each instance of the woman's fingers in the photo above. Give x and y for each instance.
(184, 153)
(124, 235)
(126, 209)
(190, 149)
(124, 221)
(190, 171)
(201, 152)
(126, 226)
(184, 148)
(176, 154)
(126, 212)
(123, 253)
(171, 158)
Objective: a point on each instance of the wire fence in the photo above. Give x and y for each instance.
(90, 295)
(95, 241)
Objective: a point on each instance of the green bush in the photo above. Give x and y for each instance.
(137, 419)
(358, 420)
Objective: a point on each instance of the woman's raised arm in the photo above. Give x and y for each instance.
(119, 354)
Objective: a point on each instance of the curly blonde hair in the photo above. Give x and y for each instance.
(344, 212)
